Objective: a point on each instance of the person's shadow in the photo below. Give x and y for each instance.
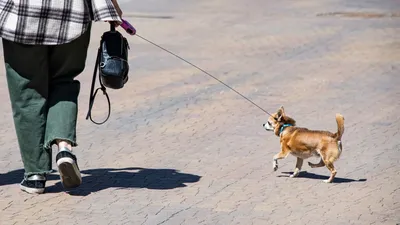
(95, 180)
(305, 174)
(16, 176)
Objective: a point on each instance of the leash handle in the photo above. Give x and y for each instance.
(128, 27)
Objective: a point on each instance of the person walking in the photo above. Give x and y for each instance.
(45, 46)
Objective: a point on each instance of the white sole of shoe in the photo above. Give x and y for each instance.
(31, 190)
(69, 172)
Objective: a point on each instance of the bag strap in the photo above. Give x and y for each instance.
(93, 95)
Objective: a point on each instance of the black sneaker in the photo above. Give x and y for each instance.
(68, 169)
(33, 184)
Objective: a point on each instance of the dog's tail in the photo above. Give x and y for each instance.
(340, 125)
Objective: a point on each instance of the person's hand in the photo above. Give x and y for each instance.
(119, 11)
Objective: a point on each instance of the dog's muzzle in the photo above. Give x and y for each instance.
(268, 126)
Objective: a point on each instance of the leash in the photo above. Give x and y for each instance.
(205, 72)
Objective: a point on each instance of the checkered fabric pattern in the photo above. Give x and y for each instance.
(51, 22)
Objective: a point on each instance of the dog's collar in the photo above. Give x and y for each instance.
(283, 127)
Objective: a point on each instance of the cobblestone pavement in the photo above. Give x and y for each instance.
(180, 148)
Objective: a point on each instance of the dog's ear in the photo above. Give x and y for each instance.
(280, 114)
(282, 110)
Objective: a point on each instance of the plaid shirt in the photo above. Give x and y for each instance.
(51, 22)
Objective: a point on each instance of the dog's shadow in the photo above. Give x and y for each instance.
(305, 174)
(95, 180)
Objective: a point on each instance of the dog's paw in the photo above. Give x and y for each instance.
(275, 165)
(327, 181)
(294, 175)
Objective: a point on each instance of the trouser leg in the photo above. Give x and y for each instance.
(27, 79)
(66, 62)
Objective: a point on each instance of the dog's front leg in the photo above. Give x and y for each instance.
(282, 154)
(299, 164)
(275, 163)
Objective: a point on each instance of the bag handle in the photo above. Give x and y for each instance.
(93, 95)
(112, 27)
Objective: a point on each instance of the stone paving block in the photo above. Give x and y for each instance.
(181, 148)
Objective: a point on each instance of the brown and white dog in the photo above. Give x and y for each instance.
(304, 143)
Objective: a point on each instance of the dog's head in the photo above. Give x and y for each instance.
(277, 120)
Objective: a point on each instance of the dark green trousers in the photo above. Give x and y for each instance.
(44, 96)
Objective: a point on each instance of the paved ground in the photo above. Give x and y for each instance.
(180, 148)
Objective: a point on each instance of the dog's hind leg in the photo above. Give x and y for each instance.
(299, 164)
(320, 164)
(331, 168)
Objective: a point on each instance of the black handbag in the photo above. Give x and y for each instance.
(112, 62)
